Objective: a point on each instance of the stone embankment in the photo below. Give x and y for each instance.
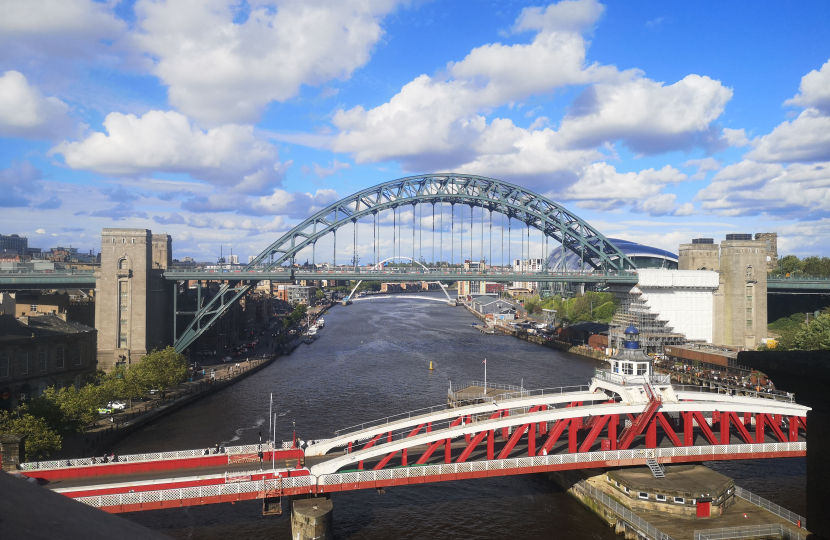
(553, 344)
(100, 439)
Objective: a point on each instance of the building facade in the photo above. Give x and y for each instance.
(42, 351)
(14, 243)
(133, 308)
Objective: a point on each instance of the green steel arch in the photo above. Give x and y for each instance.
(497, 196)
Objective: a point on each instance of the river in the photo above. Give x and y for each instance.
(372, 360)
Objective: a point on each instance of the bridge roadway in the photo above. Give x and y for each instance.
(58, 279)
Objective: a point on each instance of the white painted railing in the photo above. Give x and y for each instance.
(624, 512)
(235, 488)
(556, 459)
(751, 531)
(769, 506)
(155, 456)
(435, 470)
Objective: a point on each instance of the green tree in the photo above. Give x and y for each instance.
(816, 266)
(162, 369)
(814, 336)
(319, 294)
(605, 312)
(40, 437)
(790, 264)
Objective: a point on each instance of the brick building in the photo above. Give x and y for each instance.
(38, 352)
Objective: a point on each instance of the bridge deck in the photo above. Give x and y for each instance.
(162, 479)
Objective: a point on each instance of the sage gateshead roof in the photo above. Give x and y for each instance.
(642, 256)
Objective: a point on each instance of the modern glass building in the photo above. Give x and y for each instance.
(642, 256)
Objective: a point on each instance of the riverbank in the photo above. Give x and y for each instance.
(100, 440)
(563, 346)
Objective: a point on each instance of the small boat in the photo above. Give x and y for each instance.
(308, 339)
(312, 332)
(320, 322)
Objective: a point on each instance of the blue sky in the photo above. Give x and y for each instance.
(224, 122)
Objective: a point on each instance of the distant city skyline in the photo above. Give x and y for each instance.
(225, 123)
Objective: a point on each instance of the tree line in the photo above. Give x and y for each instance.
(590, 307)
(796, 333)
(809, 266)
(58, 413)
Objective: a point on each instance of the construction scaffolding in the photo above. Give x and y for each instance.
(655, 334)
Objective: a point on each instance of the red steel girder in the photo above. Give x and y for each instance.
(475, 441)
(517, 434)
(596, 423)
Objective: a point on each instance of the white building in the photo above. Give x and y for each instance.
(682, 298)
(527, 266)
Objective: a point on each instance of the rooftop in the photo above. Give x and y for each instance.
(684, 480)
(38, 326)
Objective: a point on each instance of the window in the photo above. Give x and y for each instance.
(23, 359)
(33, 308)
(661, 498)
(643, 495)
(61, 357)
(679, 500)
(42, 356)
(749, 324)
(625, 488)
(4, 365)
(122, 264)
(77, 356)
(749, 272)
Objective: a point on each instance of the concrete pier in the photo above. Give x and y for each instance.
(311, 519)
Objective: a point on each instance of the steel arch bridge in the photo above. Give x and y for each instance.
(495, 196)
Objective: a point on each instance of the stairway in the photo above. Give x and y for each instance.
(656, 469)
(639, 424)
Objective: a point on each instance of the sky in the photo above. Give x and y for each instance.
(226, 122)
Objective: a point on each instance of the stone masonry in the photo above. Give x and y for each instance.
(133, 308)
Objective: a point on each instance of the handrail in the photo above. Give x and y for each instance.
(624, 512)
(750, 531)
(769, 506)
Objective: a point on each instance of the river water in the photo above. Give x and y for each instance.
(371, 361)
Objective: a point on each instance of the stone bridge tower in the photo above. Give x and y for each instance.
(133, 305)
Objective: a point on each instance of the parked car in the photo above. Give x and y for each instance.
(153, 391)
(227, 359)
(117, 405)
(104, 410)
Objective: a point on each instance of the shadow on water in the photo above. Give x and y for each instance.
(372, 361)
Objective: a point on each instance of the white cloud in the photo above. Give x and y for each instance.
(646, 115)
(229, 155)
(42, 29)
(750, 188)
(703, 166)
(814, 90)
(685, 209)
(25, 112)
(439, 123)
(735, 137)
(219, 69)
(323, 172)
(805, 139)
(567, 16)
(602, 187)
(41, 231)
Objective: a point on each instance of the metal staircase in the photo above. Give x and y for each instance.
(639, 424)
(656, 469)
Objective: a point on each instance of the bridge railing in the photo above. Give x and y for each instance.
(608, 456)
(56, 272)
(769, 506)
(515, 392)
(745, 392)
(632, 380)
(624, 512)
(751, 531)
(154, 456)
(177, 494)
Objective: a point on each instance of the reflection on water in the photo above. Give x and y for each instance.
(371, 361)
